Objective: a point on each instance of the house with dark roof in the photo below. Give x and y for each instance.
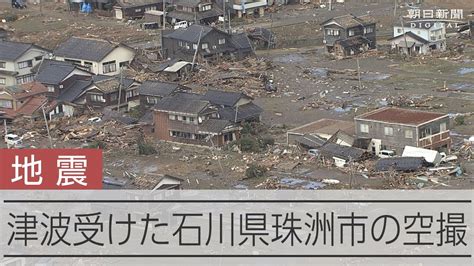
(22, 100)
(53, 74)
(187, 118)
(174, 69)
(152, 91)
(403, 164)
(112, 93)
(207, 43)
(195, 11)
(394, 128)
(419, 37)
(349, 35)
(234, 106)
(342, 155)
(17, 61)
(100, 57)
(135, 9)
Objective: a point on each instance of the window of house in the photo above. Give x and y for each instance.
(97, 98)
(222, 41)
(137, 10)
(131, 93)
(25, 64)
(332, 32)
(425, 132)
(6, 104)
(88, 65)
(183, 118)
(364, 128)
(180, 43)
(191, 119)
(195, 46)
(187, 45)
(39, 58)
(399, 30)
(3, 64)
(204, 46)
(24, 79)
(442, 127)
(50, 89)
(351, 32)
(3, 81)
(368, 30)
(109, 67)
(76, 62)
(388, 131)
(152, 100)
(408, 133)
(172, 117)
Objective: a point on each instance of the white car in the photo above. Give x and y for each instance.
(313, 152)
(181, 25)
(13, 140)
(386, 153)
(95, 119)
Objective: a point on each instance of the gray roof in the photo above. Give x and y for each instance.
(190, 34)
(224, 98)
(213, 125)
(136, 3)
(10, 51)
(183, 103)
(412, 35)
(190, 3)
(244, 112)
(53, 72)
(241, 41)
(73, 91)
(157, 88)
(400, 164)
(344, 152)
(311, 141)
(85, 49)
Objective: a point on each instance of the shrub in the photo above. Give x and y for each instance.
(145, 148)
(255, 171)
(266, 141)
(459, 120)
(249, 144)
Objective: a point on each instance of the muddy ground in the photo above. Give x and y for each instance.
(301, 78)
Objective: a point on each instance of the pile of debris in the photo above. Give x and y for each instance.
(249, 76)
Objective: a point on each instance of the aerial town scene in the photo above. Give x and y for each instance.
(246, 94)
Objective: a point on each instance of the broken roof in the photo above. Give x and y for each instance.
(400, 164)
(134, 3)
(10, 51)
(224, 98)
(85, 49)
(246, 111)
(75, 89)
(411, 35)
(190, 34)
(324, 126)
(32, 105)
(26, 90)
(344, 152)
(109, 84)
(188, 103)
(349, 21)
(157, 88)
(400, 116)
(241, 41)
(311, 141)
(214, 125)
(353, 41)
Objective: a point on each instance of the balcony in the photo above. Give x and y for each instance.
(248, 4)
(433, 140)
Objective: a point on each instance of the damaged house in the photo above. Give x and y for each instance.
(17, 61)
(349, 35)
(135, 9)
(394, 128)
(100, 57)
(419, 38)
(150, 91)
(204, 43)
(195, 11)
(24, 100)
(187, 118)
(342, 155)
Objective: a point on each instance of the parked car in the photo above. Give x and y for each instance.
(95, 119)
(313, 152)
(20, 4)
(13, 140)
(181, 25)
(386, 153)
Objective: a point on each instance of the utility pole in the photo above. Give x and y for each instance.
(404, 35)
(47, 126)
(120, 91)
(223, 7)
(197, 48)
(395, 8)
(358, 74)
(330, 5)
(164, 14)
(230, 30)
(351, 165)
